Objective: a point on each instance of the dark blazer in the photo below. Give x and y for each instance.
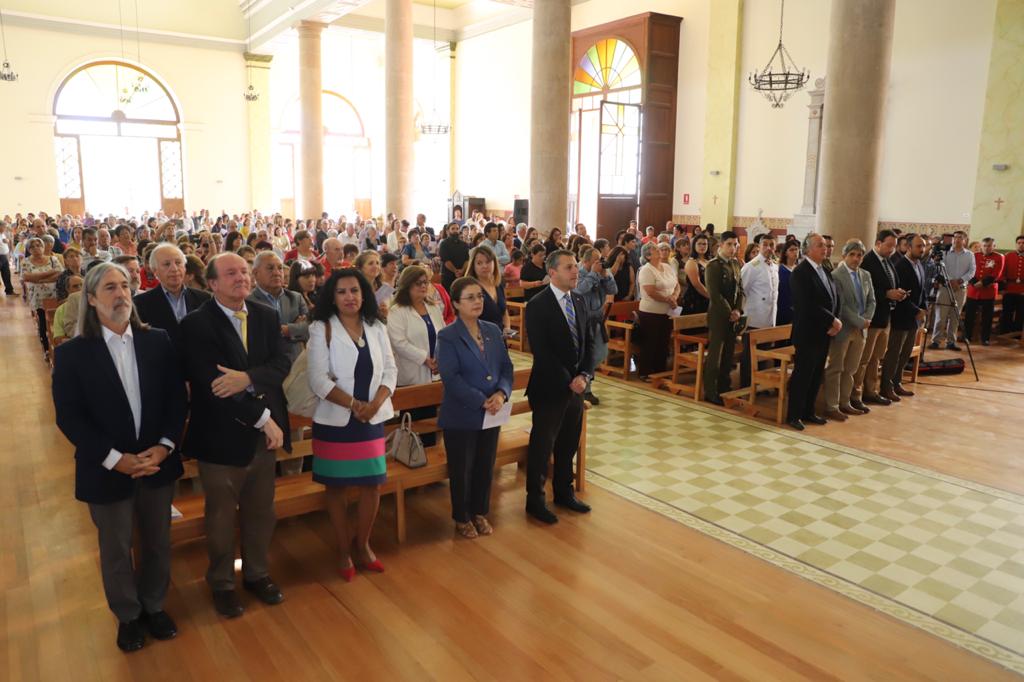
(93, 411)
(154, 310)
(221, 430)
(813, 309)
(555, 363)
(881, 283)
(904, 316)
(469, 378)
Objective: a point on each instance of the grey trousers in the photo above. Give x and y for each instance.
(897, 355)
(130, 588)
(248, 493)
(948, 319)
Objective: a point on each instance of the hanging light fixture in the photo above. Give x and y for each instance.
(780, 77)
(139, 86)
(125, 94)
(251, 93)
(6, 72)
(433, 125)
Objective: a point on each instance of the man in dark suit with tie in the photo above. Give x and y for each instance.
(907, 317)
(236, 360)
(815, 321)
(165, 306)
(877, 263)
(562, 343)
(120, 399)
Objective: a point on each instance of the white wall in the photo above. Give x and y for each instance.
(207, 84)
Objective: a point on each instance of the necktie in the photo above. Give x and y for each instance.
(241, 316)
(860, 290)
(824, 280)
(570, 314)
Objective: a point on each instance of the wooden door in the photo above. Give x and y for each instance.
(618, 167)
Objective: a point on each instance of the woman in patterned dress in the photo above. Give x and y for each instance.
(353, 372)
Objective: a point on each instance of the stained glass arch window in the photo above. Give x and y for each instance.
(609, 64)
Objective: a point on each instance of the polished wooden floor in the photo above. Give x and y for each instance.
(623, 593)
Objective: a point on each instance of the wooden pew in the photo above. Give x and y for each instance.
(620, 338)
(776, 377)
(687, 330)
(299, 494)
(517, 320)
(920, 339)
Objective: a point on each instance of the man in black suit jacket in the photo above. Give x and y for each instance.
(815, 321)
(120, 399)
(236, 360)
(907, 317)
(165, 306)
(877, 263)
(562, 343)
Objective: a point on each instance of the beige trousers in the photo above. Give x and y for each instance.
(865, 381)
(844, 355)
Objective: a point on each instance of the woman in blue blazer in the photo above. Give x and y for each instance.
(477, 375)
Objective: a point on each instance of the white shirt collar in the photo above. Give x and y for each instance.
(559, 294)
(108, 334)
(228, 311)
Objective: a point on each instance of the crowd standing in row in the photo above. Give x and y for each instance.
(228, 306)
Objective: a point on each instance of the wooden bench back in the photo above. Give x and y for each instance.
(622, 309)
(767, 334)
(692, 321)
(424, 395)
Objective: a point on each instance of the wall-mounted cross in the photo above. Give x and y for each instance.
(999, 203)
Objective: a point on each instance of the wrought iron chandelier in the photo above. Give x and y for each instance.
(433, 125)
(6, 72)
(780, 77)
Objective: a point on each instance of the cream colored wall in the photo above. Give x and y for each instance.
(933, 115)
(207, 84)
(221, 18)
(492, 143)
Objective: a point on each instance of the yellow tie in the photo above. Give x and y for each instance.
(241, 315)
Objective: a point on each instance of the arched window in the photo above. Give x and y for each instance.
(347, 177)
(604, 141)
(117, 141)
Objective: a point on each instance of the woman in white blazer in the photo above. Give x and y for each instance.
(353, 372)
(413, 324)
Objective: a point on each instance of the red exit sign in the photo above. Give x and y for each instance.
(686, 198)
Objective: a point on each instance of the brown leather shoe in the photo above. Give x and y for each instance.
(852, 411)
(891, 396)
(876, 399)
(835, 415)
(899, 390)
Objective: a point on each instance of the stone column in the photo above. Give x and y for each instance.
(398, 129)
(859, 54)
(551, 90)
(807, 219)
(260, 175)
(311, 147)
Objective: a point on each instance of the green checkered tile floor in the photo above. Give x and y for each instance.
(944, 554)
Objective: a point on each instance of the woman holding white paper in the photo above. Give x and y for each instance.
(477, 375)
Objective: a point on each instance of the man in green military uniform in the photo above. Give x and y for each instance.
(725, 310)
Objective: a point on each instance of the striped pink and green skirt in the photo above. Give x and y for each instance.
(349, 455)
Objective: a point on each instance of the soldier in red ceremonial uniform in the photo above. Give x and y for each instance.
(982, 289)
(1012, 319)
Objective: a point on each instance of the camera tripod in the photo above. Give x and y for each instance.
(940, 269)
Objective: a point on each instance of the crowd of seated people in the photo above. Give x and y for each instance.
(379, 304)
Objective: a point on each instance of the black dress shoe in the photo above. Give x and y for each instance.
(815, 419)
(574, 504)
(876, 400)
(934, 345)
(227, 604)
(265, 590)
(952, 346)
(541, 513)
(984, 342)
(159, 625)
(900, 391)
(130, 636)
(858, 405)
(591, 398)
(796, 424)
(716, 401)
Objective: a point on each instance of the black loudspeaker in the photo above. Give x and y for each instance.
(521, 211)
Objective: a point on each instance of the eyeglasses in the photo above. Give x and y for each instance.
(420, 283)
(472, 297)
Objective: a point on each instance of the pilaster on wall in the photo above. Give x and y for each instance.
(722, 111)
(999, 195)
(260, 174)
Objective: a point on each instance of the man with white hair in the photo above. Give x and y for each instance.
(333, 255)
(290, 305)
(164, 306)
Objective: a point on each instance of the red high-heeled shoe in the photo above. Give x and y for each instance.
(348, 573)
(376, 566)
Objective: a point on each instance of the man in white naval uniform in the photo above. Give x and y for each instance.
(760, 280)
